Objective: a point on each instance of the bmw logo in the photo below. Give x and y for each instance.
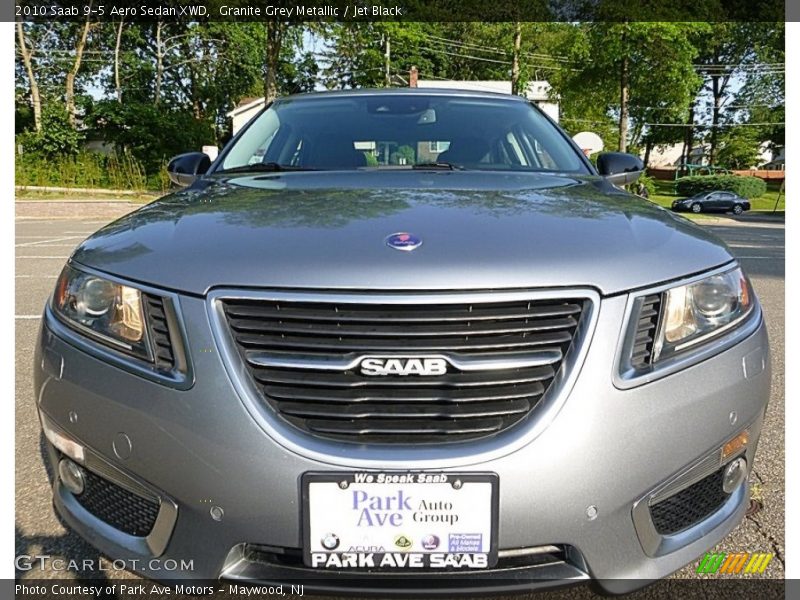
(330, 541)
(403, 241)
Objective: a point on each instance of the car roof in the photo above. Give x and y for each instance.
(404, 91)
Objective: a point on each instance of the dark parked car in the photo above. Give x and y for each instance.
(718, 201)
(403, 341)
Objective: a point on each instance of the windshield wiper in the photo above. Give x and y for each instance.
(261, 167)
(440, 166)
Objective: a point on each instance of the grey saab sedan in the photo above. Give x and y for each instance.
(403, 341)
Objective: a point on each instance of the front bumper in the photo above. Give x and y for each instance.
(199, 448)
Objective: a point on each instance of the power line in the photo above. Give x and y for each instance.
(712, 125)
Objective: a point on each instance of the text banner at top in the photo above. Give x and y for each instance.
(401, 10)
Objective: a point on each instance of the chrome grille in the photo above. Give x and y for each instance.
(303, 358)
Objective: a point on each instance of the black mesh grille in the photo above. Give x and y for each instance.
(689, 506)
(642, 353)
(159, 332)
(117, 506)
(349, 406)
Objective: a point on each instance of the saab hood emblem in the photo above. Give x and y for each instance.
(403, 241)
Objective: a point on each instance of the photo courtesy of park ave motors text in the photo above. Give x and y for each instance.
(399, 307)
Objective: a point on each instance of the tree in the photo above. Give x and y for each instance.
(640, 72)
(80, 46)
(739, 148)
(27, 57)
(272, 51)
(721, 58)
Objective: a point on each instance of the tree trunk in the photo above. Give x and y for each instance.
(272, 58)
(515, 59)
(36, 100)
(624, 93)
(647, 149)
(117, 84)
(73, 73)
(159, 62)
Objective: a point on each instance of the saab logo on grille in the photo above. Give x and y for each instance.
(426, 367)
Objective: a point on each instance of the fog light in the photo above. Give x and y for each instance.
(71, 476)
(734, 475)
(69, 447)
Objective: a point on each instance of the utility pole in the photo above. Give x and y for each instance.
(515, 59)
(387, 56)
(624, 93)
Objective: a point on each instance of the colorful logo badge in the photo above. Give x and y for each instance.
(430, 542)
(403, 241)
(402, 542)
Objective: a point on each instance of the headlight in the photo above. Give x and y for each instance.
(105, 310)
(699, 311)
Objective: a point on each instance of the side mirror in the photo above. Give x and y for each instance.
(184, 169)
(620, 168)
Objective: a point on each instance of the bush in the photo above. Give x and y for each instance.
(744, 186)
(57, 136)
(648, 182)
(85, 169)
(150, 133)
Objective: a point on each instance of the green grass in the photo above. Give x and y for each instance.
(37, 196)
(665, 195)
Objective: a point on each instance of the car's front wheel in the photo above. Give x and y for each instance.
(697, 207)
(738, 209)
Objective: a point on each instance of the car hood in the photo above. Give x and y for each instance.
(327, 230)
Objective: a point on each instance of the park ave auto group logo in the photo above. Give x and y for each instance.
(389, 526)
(735, 563)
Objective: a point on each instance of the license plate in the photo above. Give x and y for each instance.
(400, 521)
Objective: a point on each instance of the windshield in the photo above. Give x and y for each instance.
(402, 131)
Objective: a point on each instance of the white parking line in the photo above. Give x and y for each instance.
(27, 317)
(36, 276)
(757, 247)
(57, 239)
(61, 257)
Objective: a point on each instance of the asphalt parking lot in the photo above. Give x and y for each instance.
(43, 244)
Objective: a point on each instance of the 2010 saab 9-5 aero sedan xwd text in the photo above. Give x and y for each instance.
(403, 341)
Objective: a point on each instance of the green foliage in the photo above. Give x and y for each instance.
(178, 79)
(56, 137)
(403, 152)
(149, 133)
(117, 171)
(647, 181)
(739, 149)
(747, 187)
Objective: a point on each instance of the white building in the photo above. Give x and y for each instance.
(244, 111)
(669, 156)
(538, 92)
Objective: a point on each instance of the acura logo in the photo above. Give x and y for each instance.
(426, 367)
